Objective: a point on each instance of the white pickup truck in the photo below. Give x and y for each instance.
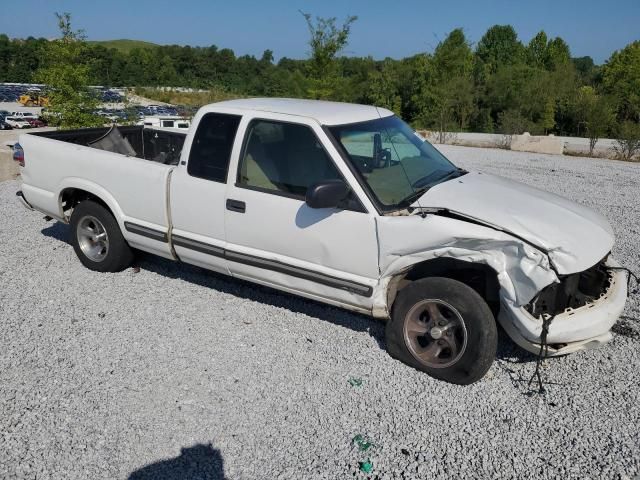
(344, 204)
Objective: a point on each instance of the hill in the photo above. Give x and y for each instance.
(123, 45)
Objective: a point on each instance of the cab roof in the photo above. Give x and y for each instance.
(326, 113)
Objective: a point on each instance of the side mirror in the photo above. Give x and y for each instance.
(327, 194)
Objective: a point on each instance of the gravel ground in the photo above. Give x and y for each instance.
(174, 372)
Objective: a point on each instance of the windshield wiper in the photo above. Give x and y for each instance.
(429, 180)
(412, 197)
(420, 187)
(458, 172)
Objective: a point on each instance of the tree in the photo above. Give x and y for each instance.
(66, 73)
(383, 87)
(595, 113)
(326, 41)
(547, 54)
(537, 50)
(498, 47)
(621, 79)
(445, 101)
(548, 120)
(510, 123)
(627, 144)
(558, 54)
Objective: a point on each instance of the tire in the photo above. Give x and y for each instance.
(444, 328)
(97, 239)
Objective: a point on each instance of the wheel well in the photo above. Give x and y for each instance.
(482, 278)
(70, 197)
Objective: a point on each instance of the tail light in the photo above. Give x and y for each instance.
(18, 154)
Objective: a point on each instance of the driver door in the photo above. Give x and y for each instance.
(275, 238)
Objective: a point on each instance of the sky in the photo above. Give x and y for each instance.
(384, 28)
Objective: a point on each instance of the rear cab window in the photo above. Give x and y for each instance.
(211, 148)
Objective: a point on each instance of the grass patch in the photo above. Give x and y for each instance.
(190, 99)
(123, 45)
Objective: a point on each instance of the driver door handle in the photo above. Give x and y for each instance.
(236, 205)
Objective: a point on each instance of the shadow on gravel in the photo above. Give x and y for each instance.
(57, 230)
(627, 327)
(509, 352)
(200, 461)
(509, 356)
(246, 290)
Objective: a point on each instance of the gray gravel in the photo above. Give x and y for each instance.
(174, 372)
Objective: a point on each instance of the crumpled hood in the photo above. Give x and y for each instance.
(574, 237)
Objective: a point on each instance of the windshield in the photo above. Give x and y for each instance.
(395, 162)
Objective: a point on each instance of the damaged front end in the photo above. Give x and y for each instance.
(584, 302)
(583, 307)
(572, 292)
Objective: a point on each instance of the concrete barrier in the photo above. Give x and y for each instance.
(527, 143)
(537, 144)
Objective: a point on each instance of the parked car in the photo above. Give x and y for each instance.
(25, 115)
(36, 122)
(347, 205)
(4, 125)
(17, 122)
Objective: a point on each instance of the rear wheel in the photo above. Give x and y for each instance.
(97, 239)
(444, 328)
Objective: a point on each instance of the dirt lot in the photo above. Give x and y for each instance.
(175, 372)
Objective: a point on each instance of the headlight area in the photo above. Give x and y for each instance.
(584, 307)
(573, 292)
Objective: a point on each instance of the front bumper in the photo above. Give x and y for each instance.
(573, 330)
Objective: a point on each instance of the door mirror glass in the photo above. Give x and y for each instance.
(327, 194)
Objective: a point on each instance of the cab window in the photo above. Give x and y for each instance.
(285, 158)
(211, 147)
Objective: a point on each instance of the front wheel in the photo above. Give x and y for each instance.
(97, 239)
(444, 328)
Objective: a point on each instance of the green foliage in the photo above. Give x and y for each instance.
(498, 47)
(537, 50)
(586, 69)
(66, 73)
(383, 87)
(189, 99)
(326, 41)
(595, 113)
(123, 45)
(627, 145)
(548, 116)
(445, 99)
(512, 122)
(621, 79)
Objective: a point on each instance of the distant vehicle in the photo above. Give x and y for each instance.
(5, 113)
(4, 125)
(166, 122)
(343, 204)
(24, 115)
(17, 122)
(33, 99)
(33, 119)
(35, 122)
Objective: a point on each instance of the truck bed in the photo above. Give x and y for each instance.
(128, 167)
(156, 145)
